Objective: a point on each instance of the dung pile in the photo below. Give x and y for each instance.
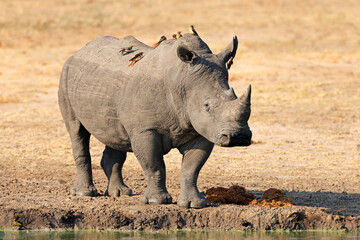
(232, 195)
(238, 195)
(273, 198)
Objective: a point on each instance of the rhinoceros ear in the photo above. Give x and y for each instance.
(185, 54)
(229, 51)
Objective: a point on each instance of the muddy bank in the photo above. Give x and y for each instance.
(172, 217)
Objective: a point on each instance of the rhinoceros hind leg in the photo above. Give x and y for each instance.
(112, 162)
(148, 149)
(195, 154)
(80, 138)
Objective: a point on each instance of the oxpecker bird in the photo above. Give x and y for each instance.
(178, 35)
(126, 50)
(192, 30)
(136, 58)
(18, 224)
(163, 38)
(229, 63)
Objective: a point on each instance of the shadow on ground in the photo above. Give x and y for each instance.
(346, 204)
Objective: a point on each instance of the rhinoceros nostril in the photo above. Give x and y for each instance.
(224, 140)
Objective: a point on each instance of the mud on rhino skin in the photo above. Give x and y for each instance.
(176, 96)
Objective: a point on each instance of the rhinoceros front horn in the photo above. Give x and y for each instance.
(246, 97)
(229, 51)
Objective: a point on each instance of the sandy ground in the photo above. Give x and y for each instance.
(302, 59)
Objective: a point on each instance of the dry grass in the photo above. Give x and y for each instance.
(302, 58)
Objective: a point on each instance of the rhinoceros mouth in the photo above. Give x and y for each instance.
(234, 141)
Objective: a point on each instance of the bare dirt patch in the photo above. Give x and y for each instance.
(302, 59)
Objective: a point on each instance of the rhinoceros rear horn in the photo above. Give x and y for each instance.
(246, 97)
(229, 51)
(185, 54)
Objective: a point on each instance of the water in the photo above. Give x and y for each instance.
(176, 235)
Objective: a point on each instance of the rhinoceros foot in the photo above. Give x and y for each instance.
(156, 198)
(191, 200)
(83, 191)
(117, 191)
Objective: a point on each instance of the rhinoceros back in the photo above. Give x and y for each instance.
(96, 79)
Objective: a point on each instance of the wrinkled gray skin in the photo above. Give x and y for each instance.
(177, 96)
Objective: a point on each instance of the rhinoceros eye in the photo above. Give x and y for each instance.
(207, 106)
(210, 104)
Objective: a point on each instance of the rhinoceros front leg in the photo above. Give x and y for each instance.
(147, 147)
(195, 154)
(112, 162)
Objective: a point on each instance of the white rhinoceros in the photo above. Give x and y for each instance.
(176, 96)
